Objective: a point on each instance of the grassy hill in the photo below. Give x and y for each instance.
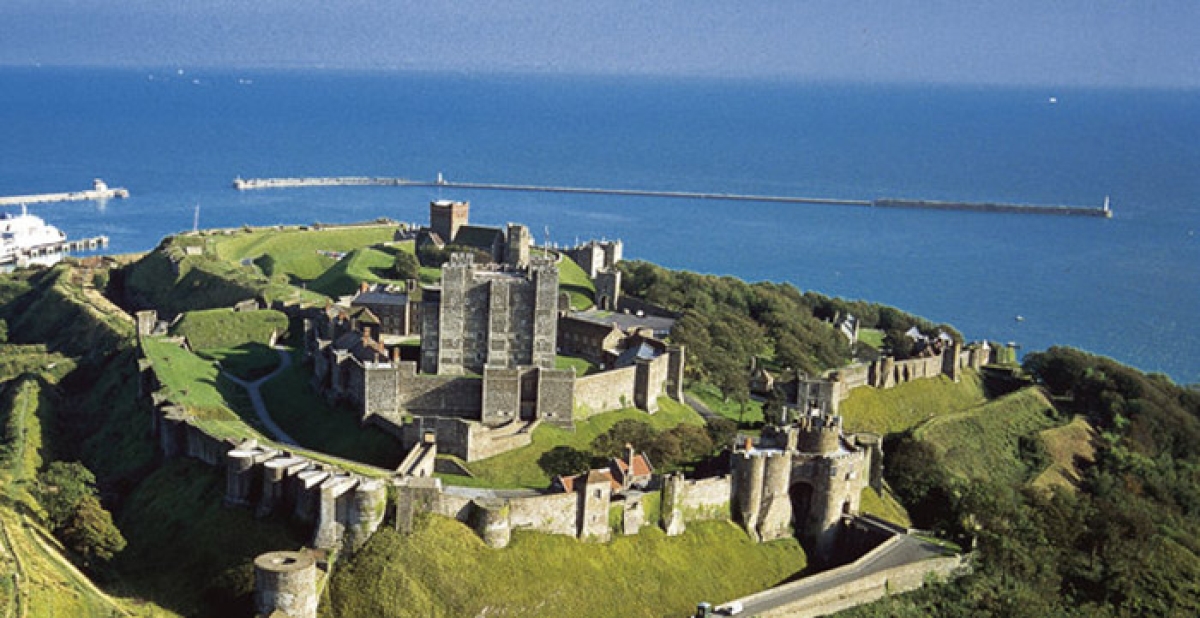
(983, 443)
(226, 328)
(1070, 448)
(371, 264)
(444, 569)
(899, 409)
(298, 254)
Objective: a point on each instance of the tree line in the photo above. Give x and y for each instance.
(1125, 542)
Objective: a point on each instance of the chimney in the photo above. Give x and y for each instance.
(749, 444)
(629, 455)
(396, 354)
(364, 287)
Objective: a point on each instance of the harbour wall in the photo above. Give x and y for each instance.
(73, 196)
(992, 207)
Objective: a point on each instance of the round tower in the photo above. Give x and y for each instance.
(370, 504)
(492, 523)
(239, 476)
(286, 582)
(819, 434)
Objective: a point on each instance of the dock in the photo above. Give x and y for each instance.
(99, 191)
(997, 207)
(48, 254)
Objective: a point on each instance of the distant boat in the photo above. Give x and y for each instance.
(1053, 100)
(1020, 318)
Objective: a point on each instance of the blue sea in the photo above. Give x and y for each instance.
(1128, 287)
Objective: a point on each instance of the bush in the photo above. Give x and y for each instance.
(564, 461)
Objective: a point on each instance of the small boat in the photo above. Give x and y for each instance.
(1020, 318)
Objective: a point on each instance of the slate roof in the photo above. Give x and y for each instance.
(478, 236)
(627, 322)
(642, 350)
(378, 297)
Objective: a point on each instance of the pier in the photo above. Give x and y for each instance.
(342, 181)
(50, 253)
(99, 191)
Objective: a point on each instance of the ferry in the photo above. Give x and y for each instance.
(26, 239)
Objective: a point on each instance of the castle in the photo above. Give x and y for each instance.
(484, 375)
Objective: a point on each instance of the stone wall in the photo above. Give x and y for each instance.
(607, 390)
(344, 508)
(549, 514)
(861, 590)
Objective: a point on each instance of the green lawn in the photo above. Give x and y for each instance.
(577, 285)
(304, 415)
(249, 361)
(294, 253)
(871, 336)
(443, 569)
(519, 468)
(371, 264)
(901, 408)
(582, 366)
(226, 328)
(732, 410)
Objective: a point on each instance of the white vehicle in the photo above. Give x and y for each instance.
(732, 608)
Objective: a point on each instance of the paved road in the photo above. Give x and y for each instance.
(699, 407)
(909, 549)
(260, 408)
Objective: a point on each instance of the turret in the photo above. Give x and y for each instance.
(819, 433)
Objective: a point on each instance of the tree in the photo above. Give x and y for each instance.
(564, 461)
(63, 486)
(90, 532)
(629, 431)
(721, 431)
(406, 266)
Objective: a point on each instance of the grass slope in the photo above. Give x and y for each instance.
(982, 443)
(899, 409)
(443, 569)
(750, 412)
(371, 264)
(183, 541)
(301, 412)
(295, 253)
(226, 328)
(519, 468)
(885, 507)
(1070, 447)
(220, 406)
(575, 282)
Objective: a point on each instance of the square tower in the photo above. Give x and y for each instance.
(447, 216)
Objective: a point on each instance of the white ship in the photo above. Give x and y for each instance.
(26, 239)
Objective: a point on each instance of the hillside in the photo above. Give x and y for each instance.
(446, 570)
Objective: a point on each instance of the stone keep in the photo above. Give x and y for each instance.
(490, 317)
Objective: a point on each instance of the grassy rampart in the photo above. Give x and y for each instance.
(444, 569)
(297, 254)
(899, 409)
(226, 328)
(982, 443)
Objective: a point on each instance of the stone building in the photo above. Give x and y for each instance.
(390, 306)
(596, 256)
(501, 318)
(805, 477)
(449, 224)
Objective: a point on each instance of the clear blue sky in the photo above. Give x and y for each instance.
(1050, 42)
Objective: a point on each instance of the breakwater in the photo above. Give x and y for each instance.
(343, 181)
(99, 191)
